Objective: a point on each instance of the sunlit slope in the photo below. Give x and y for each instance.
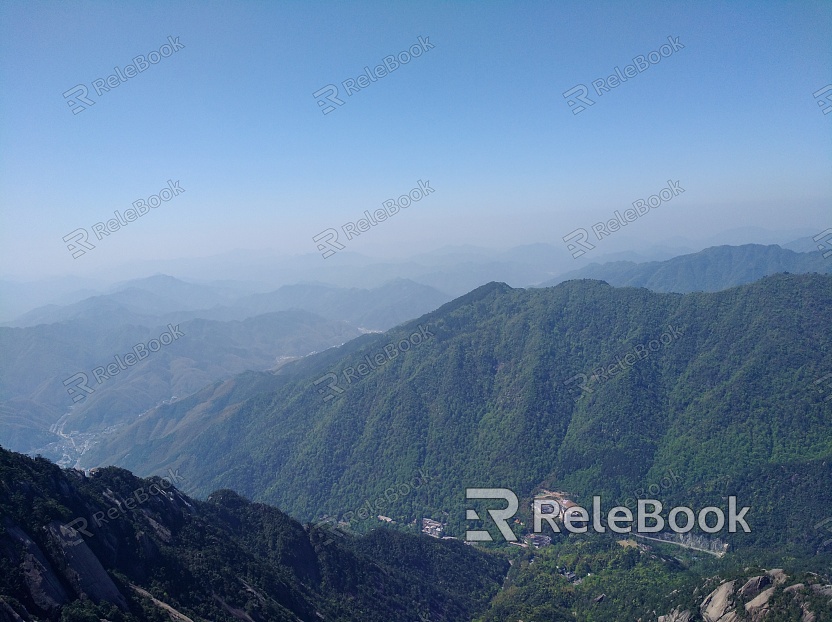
(712, 386)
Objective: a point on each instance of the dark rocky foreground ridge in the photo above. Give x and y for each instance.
(145, 551)
(109, 546)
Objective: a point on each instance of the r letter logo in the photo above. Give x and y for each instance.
(500, 517)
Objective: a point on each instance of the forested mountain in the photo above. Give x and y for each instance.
(378, 308)
(49, 345)
(710, 270)
(516, 388)
(116, 547)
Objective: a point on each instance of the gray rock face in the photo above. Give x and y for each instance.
(758, 606)
(754, 586)
(676, 616)
(41, 579)
(823, 590)
(717, 603)
(778, 576)
(721, 604)
(83, 570)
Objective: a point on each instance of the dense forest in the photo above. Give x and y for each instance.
(515, 388)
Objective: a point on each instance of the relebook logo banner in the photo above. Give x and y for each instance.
(649, 516)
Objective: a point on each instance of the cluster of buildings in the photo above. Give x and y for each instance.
(536, 540)
(432, 527)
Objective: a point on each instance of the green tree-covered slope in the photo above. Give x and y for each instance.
(723, 389)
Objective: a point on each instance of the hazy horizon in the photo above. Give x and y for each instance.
(482, 113)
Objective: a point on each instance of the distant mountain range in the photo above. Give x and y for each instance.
(583, 387)
(232, 330)
(710, 270)
(48, 346)
(379, 308)
(43, 407)
(526, 389)
(227, 278)
(164, 299)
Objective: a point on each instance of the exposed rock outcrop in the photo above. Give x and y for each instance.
(677, 615)
(754, 586)
(758, 606)
(725, 602)
(84, 572)
(41, 579)
(717, 603)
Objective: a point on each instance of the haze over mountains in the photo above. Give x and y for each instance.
(710, 270)
(260, 331)
(421, 312)
(230, 329)
(454, 270)
(163, 298)
(317, 398)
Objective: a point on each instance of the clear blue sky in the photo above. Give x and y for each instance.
(481, 115)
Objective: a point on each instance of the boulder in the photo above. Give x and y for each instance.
(676, 616)
(754, 586)
(717, 603)
(758, 607)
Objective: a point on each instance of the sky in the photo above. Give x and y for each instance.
(479, 115)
